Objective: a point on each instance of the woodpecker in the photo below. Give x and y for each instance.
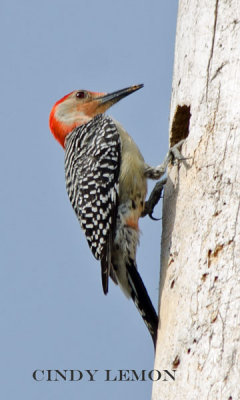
(106, 180)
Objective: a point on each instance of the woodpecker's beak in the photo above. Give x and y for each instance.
(109, 99)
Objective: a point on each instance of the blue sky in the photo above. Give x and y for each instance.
(53, 312)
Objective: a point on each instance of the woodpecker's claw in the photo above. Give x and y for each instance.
(154, 199)
(153, 218)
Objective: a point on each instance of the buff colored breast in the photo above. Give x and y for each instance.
(132, 183)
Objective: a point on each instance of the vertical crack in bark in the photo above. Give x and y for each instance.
(234, 235)
(223, 337)
(212, 47)
(216, 108)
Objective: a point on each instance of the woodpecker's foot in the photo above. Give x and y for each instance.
(174, 153)
(154, 199)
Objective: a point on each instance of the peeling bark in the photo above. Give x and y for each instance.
(199, 331)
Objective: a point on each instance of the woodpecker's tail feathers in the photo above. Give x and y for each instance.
(142, 301)
(106, 265)
(106, 262)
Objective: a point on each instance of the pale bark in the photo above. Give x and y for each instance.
(199, 332)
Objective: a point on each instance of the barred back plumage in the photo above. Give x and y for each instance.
(92, 162)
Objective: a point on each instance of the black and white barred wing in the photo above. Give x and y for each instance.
(92, 162)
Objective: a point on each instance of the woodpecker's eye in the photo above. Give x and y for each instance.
(81, 94)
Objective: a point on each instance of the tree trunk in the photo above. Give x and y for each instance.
(199, 331)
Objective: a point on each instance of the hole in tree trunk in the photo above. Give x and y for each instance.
(180, 125)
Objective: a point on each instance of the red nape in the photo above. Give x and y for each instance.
(58, 128)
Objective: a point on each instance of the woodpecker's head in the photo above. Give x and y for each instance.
(79, 107)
